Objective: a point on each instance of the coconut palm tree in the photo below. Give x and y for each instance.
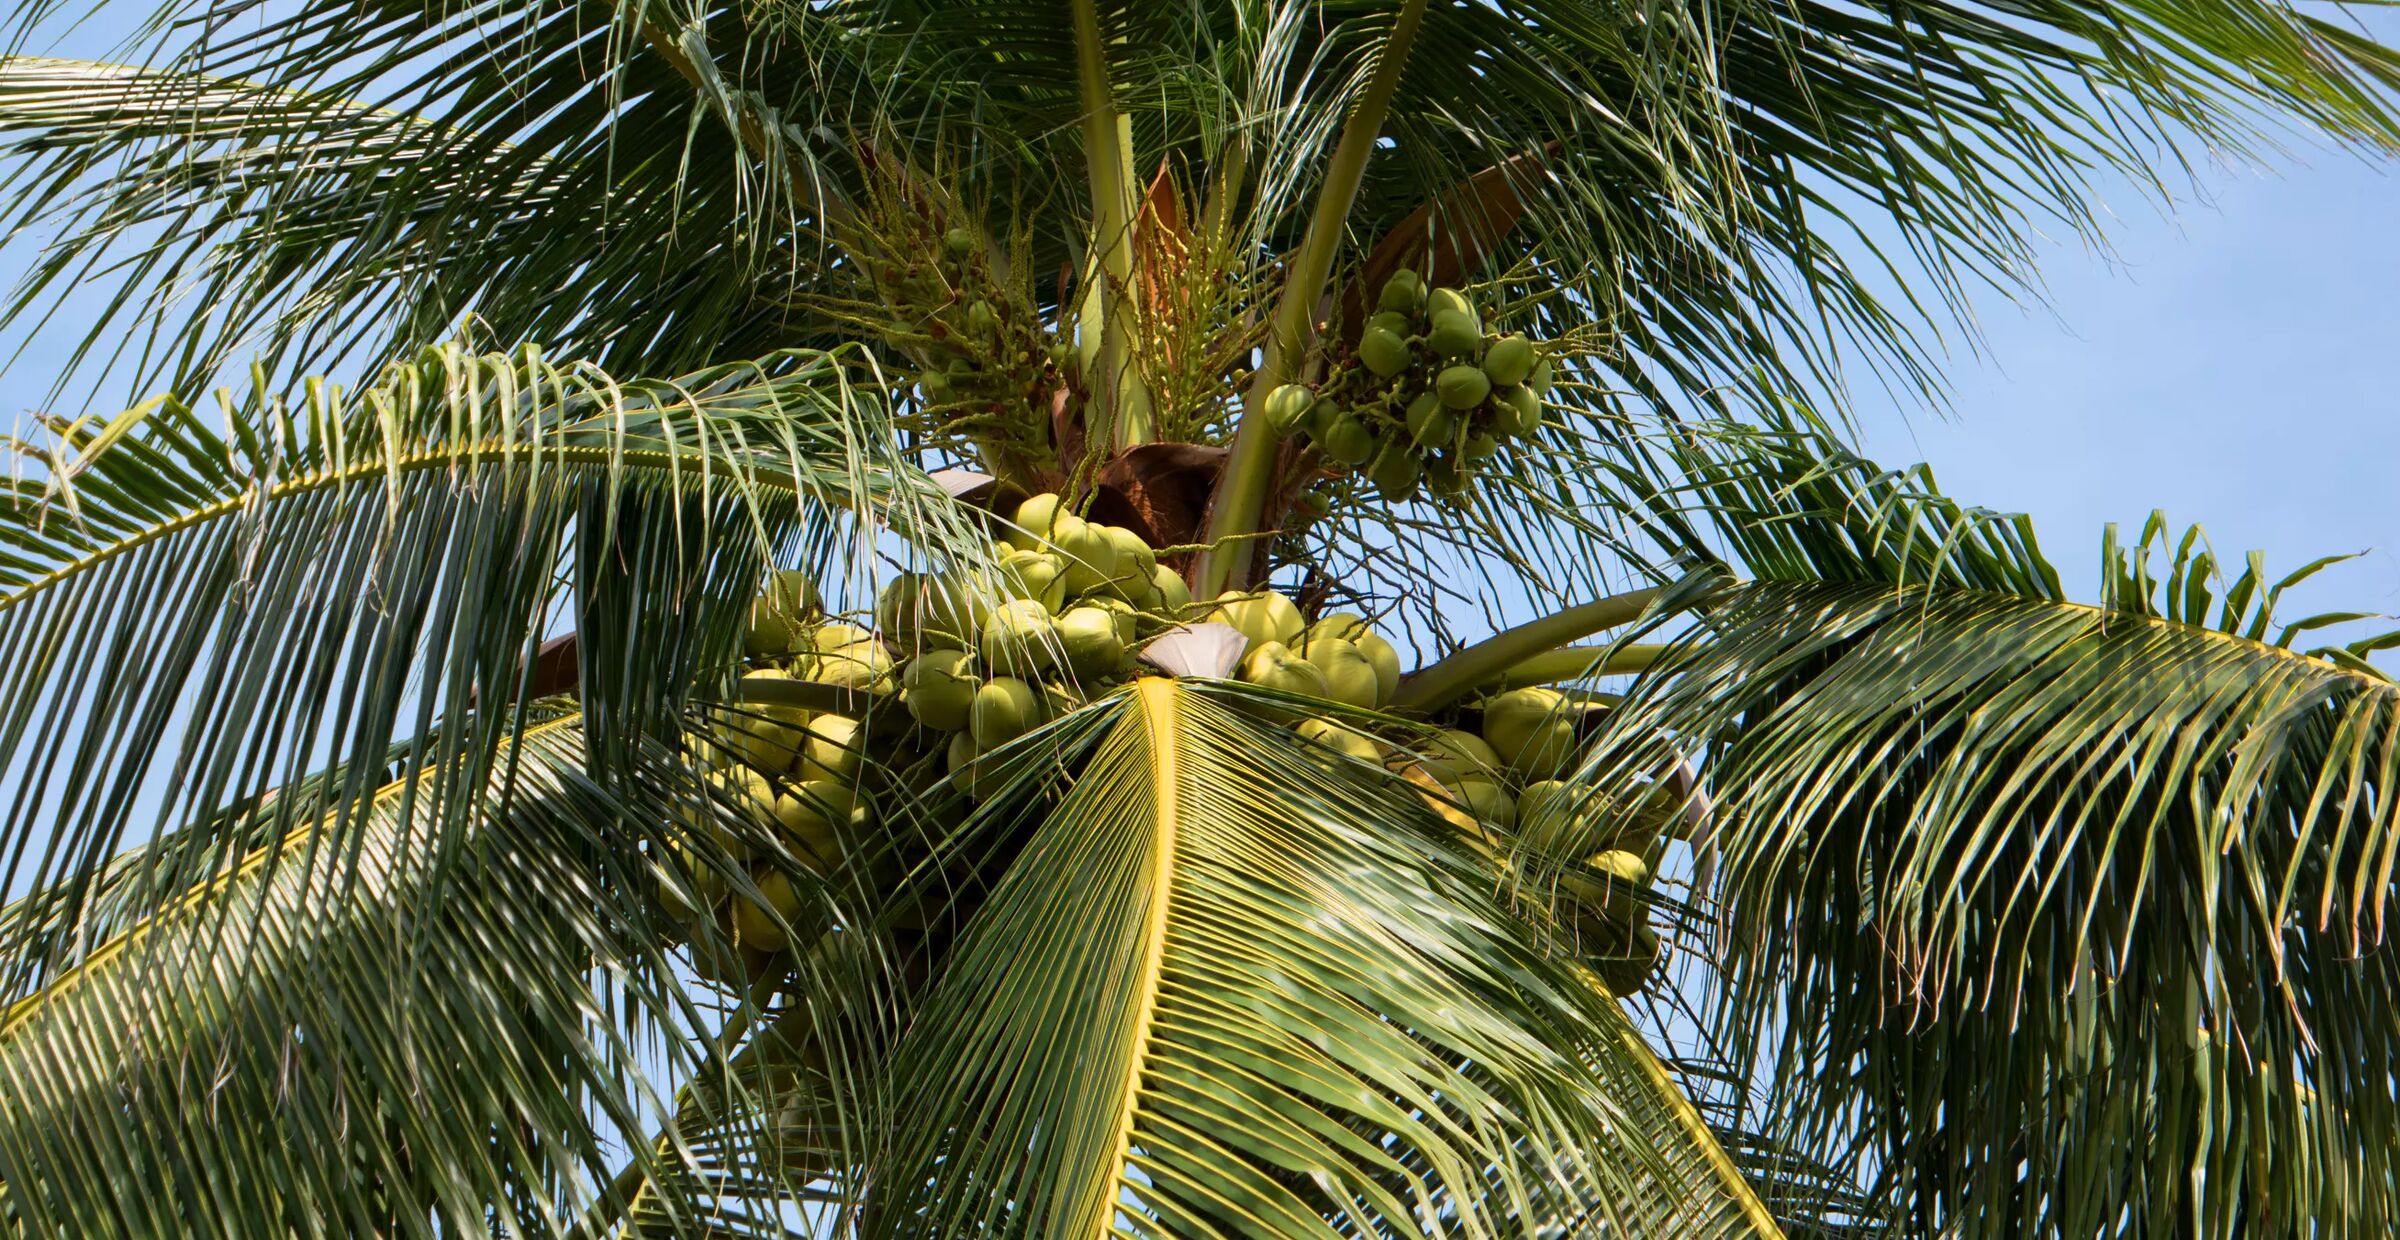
(705, 731)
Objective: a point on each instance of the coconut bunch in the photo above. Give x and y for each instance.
(1054, 623)
(1426, 397)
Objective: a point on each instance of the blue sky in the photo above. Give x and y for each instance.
(2232, 363)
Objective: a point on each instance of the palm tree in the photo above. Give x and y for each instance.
(469, 798)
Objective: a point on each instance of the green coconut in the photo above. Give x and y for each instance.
(1092, 642)
(1541, 377)
(1403, 292)
(1262, 616)
(1430, 422)
(941, 687)
(863, 664)
(1453, 756)
(1090, 557)
(1174, 594)
(763, 744)
(1020, 639)
(1509, 359)
(1005, 708)
(1354, 629)
(1532, 730)
(835, 746)
(959, 242)
(1128, 620)
(1342, 739)
(1396, 471)
(1272, 665)
(1454, 335)
(1490, 802)
(1383, 352)
(779, 616)
(1452, 301)
(1040, 520)
(1394, 321)
(1348, 440)
(1349, 678)
(1462, 387)
(1132, 552)
(1480, 447)
(1518, 412)
(1037, 575)
(805, 816)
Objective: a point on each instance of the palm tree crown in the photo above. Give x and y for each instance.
(891, 625)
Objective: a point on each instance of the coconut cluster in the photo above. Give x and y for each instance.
(987, 355)
(1425, 397)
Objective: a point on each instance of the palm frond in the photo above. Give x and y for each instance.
(1225, 990)
(2029, 905)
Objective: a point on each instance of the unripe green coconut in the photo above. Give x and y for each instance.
(1090, 557)
(1395, 471)
(1403, 292)
(1383, 352)
(1348, 440)
(1453, 756)
(836, 743)
(1262, 616)
(1135, 554)
(1040, 520)
(1272, 665)
(1480, 447)
(959, 242)
(1092, 643)
(1541, 377)
(1395, 322)
(1444, 475)
(864, 665)
(1037, 575)
(759, 921)
(1355, 630)
(1626, 967)
(1532, 730)
(1452, 301)
(762, 744)
(1174, 594)
(779, 616)
(1552, 819)
(1128, 621)
(748, 791)
(1518, 412)
(770, 632)
(1462, 387)
(1005, 708)
(1349, 678)
(1509, 359)
(1430, 422)
(1454, 336)
(941, 687)
(1342, 739)
(1287, 408)
(1020, 639)
(805, 818)
(1490, 802)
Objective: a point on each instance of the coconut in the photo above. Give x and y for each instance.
(805, 817)
(1627, 965)
(1020, 639)
(1347, 741)
(1551, 818)
(1532, 730)
(1395, 471)
(1039, 520)
(1355, 630)
(1134, 554)
(1347, 439)
(1037, 575)
(1005, 708)
(835, 746)
(1128, 620)
(1173, 594)
(1261, 616)
(1480, 447)
(1272, 665)
(1540, 379)
(1090, 557)
(941, 687)
(1462, 387)
(1454, 336)
(1509, 359)
(1430, 423)
(1092, 643)
(1403, 292)
(1518, 412)
(759, 921)
(1383, 352)
(778, 616)
(1453, 756)
(1444, 475)
(1393, 321)
(1452, 301)
(1490, 802)
(862, 664)
(1349, 678)
(770, 632)
(762, 744)
(1287, 408)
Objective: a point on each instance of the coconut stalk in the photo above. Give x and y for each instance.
(1241, 496)
(1123, 401)
(1495, 657)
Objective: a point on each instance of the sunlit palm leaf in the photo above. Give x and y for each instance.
(1228, 991)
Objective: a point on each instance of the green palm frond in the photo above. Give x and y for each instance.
(1225, 990)
(407, 1033)
(2033, 906)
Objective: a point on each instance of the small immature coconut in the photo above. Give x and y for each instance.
(1462, 387)
(1346, 741)
(1383, 352)
(1272, 665)
(1532, 730)
(1403, 292)
(1393, 321)
(1480, 447)
(1092, 643)
(1349, 678)
(941, 686)
(1262, 616)
(1005, 708)
(1519, 412)
(759, 921)
(1020, 639)
(1509, 359)
(1451, 301)
(1347, 439)
(1445, 475)
(1454, 336)
(1396, 471)
(959, 242)
(762, 744)
(1430, 422)
(1541, 377)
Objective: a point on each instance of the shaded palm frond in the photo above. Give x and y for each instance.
(2032, 906)
(1227, 991)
